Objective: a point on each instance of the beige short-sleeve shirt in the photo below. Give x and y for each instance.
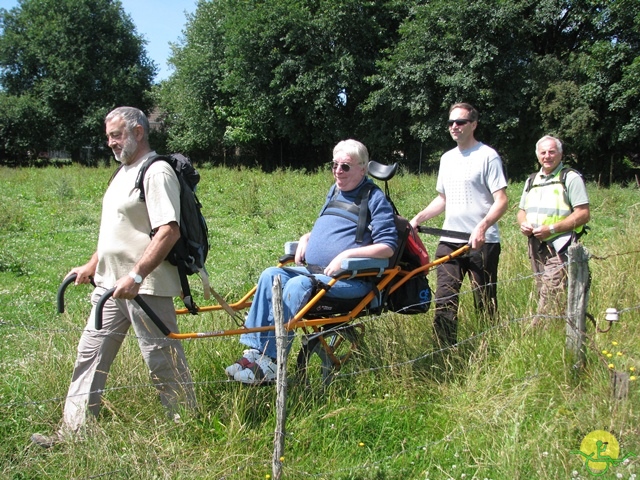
(127, 222)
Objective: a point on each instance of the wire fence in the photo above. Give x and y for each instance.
(364, 320)
(407, 450)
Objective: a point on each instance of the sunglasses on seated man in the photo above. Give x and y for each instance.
(345, 166)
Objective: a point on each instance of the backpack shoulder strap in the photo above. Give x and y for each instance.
(115, 172)
(563, 175)
(530, 180)
(562, 178)
(563, 181)
(143, 170)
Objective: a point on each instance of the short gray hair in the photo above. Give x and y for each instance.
(355, 149)
(549, 137)
(132, 118)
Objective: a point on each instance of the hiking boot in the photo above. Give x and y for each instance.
(46, 441)
(250, 356)
(262, 371)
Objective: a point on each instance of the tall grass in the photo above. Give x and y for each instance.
(505, 404)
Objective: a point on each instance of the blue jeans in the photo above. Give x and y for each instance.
(297, 289)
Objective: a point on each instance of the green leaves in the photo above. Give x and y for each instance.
(275, 74)
(278, 82)
(75, 60)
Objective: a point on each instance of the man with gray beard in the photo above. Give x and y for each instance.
(131, 261)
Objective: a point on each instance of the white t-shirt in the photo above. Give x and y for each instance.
(127, 221)
(468, 179)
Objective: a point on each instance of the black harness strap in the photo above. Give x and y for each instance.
(350, 210)
(317, 284)
(362, 214)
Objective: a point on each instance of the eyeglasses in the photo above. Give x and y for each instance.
(345, 166)
(459, 122)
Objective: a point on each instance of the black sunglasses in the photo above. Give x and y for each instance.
(459, 122)
(345, 166)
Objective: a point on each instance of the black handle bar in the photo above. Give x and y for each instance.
(444, 233)
(61, 289)
(100, 305)
(60, 297)
(138, 299)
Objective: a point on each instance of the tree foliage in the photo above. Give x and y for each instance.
(70, 61)
(18, 115)
(291, 77)
(275, 75)
(195, 103)
(279, 82)
(588, 97)
(450, 53)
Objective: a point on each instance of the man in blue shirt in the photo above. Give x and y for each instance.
(332, 239)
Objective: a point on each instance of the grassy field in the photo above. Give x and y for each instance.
(505, 405)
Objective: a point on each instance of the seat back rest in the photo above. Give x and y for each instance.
(380, 171)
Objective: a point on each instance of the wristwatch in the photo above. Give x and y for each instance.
(552, 229)
(136, 278)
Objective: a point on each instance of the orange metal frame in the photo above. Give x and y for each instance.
(299, 320)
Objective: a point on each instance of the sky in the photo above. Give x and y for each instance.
(159, 22)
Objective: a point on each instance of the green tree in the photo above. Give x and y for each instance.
(284, 79)
(74, 60)
(592, 99)
(17, 117)
(476, 52)
(531, 67)
(280, 77)
(195, 106)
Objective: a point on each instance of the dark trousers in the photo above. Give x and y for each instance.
(482, 267)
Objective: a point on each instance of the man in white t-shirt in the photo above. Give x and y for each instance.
(471, 190)
(131, 261)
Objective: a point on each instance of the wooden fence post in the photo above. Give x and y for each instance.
(620, 382)
(577, 300)
(281, 392)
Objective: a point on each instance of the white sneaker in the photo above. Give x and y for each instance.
(264, 370)
(250, 356)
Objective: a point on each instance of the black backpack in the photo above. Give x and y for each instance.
(189, 253)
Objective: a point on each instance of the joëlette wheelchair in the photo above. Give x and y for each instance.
(330, 335)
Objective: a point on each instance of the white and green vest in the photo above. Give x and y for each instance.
(547, 202)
